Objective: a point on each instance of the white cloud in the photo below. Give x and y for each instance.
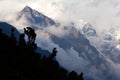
(100, 13)
(70, 60)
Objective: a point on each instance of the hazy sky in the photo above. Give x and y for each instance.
(100, 13)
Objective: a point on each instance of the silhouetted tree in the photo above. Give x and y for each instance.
(53, 54)
(31, 35)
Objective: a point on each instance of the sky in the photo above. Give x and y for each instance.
(102, 14)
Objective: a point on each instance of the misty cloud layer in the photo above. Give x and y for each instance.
(71, 60)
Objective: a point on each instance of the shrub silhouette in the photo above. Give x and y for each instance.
(23, 63)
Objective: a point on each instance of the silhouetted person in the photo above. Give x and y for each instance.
(81, 76)
(31, 35)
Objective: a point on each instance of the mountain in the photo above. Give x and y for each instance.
(75, 43)
(107, 42)
(76, 50)
(6, 29)
(111, 44)
(31, 17)
(88, 30)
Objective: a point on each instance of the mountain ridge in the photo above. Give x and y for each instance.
(35, 17)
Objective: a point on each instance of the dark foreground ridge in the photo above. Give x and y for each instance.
(19, 61)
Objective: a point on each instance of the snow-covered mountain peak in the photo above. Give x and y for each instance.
(82, 23)
(27, 9)
(34, 13)
(88, 26)
(30, 17)
(88, 30)
(114, 33)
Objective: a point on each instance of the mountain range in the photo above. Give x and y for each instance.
(80, 50)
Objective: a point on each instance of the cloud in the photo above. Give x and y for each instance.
(102, 14)
(99, 13)
(70, 59)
